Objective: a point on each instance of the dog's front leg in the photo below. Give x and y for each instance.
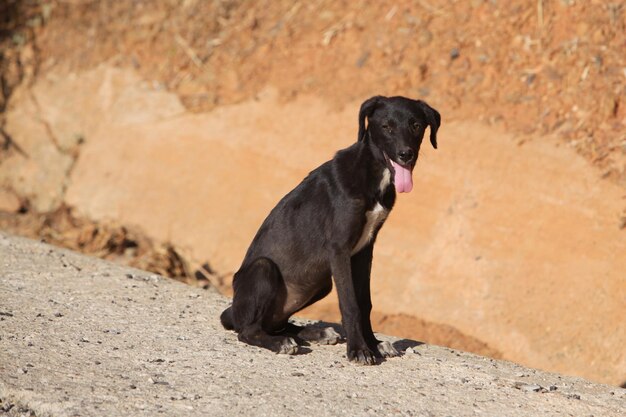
(361, 271)
(357, 349)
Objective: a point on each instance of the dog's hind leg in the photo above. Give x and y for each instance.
(314, 334)
(256, 288)
(227, 319)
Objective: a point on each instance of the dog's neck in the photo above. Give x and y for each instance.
(381, 189)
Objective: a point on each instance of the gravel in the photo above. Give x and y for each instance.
(133, 343)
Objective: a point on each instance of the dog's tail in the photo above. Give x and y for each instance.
(227, 319)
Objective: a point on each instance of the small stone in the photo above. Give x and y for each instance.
(573, 396)
(552, 388)
(531, 388)
(527, 387)
(157, 381)
(151, 278)
(84, 340)
(409, 351)
(454, 53)
(297, 374)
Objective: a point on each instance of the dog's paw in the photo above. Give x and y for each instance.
(361, 356)
(287, 346)
(325, 336)
(387, 350)
(329, 337)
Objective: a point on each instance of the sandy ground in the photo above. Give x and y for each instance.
(80, 336)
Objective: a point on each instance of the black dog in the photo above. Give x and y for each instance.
(327, 227)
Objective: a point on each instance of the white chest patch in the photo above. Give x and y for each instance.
(374, 218)
(384, 182)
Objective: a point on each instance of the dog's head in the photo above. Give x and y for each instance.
(396, 125)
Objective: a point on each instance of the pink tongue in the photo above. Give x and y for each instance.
(402, 179)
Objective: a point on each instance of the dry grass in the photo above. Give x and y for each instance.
(110, 241)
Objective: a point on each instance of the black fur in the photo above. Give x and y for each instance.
(310, 236)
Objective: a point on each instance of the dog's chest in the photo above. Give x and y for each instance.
(373, 219)
(385, 180)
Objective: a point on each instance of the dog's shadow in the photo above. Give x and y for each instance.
(401, 345)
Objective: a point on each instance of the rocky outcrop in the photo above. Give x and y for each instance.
(50, 120)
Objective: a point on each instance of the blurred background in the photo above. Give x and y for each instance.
(160, 134)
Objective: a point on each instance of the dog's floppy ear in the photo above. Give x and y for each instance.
(434, 121)
(367, 109)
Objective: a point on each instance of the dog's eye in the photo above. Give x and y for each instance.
(385, 126)
(416, 126)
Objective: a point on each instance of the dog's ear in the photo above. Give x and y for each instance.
(367, 109)
(434, 121)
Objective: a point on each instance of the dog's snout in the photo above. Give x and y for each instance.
(406, 155)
